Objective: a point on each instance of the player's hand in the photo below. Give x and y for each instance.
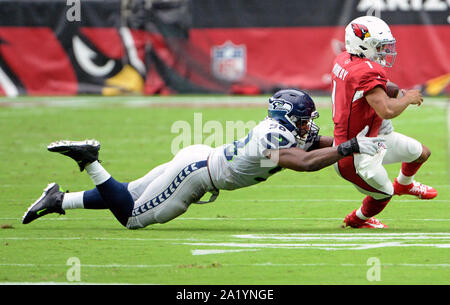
(414, 96)
(369, 145)
(361, 144)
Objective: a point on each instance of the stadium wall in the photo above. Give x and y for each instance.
(114, 47)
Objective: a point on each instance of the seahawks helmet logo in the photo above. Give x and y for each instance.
(281, 105)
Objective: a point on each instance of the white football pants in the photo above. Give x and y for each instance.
(370, 177)
(167, 191)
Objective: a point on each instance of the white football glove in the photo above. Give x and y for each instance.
(361, 144)
(369, 145)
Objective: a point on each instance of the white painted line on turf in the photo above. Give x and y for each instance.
(104, 238)
(218, 251)
(126, 266)
(289, 236)
(371, 234)
(261, 185)
(390, 240)
(341, 237)
(92, 266)
(326, 200)
(318, 246)
(67, 283)
(291, 218)
(271, 186)
(163, 101)
(61, 218)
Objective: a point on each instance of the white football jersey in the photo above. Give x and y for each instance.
(244, 162)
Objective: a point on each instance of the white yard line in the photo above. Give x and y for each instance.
(103, 238)
(68, 283)
(164, 101)
(68, 218)
(325, 200)
(268, 264)
(440, 240)
(320, 246)
(289, 236)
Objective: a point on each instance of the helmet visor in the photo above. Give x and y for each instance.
(386, 53)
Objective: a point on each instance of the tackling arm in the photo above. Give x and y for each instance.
(326, 141)
(299, 160)
(388, 108)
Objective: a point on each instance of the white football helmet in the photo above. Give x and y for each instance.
(370, 37)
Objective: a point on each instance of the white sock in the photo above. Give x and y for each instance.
(97, 173)
(73, 201)
(405, 180)
(360, 215)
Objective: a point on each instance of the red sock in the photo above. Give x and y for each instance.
(410, 169)
(371, 207)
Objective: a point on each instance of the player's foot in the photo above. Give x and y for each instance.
(83, 152)
(351, 220)
(417, 189)
(49, 202)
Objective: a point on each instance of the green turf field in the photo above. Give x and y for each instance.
(286, 230)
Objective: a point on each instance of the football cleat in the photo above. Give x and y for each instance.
(49, 202)
(83, 152)
(351, 220)
(417, 189)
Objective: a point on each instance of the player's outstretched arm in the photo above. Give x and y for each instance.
(326, 141)
(299, 160)
(389, 108)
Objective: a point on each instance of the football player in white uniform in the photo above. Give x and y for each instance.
(286, 138)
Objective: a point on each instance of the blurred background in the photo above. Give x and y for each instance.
(155, 47)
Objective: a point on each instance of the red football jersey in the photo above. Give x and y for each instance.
(352, 78)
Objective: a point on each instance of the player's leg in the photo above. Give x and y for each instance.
(168, 196)
(83, 152)
(92, 199)
(53, 200)
(371, 179)
(137, 187)
(412, 154)
(114, 194)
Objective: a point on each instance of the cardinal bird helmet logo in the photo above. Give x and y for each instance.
(360, 30)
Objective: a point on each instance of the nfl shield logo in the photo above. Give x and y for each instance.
(228, 61)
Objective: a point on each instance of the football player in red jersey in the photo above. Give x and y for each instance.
(359, 98)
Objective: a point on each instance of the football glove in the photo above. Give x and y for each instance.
(361, 144)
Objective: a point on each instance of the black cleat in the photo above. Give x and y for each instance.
(83, 152)
(49, 202)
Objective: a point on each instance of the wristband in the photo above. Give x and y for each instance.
(347, 148)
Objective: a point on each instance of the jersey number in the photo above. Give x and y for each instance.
(235, 146)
